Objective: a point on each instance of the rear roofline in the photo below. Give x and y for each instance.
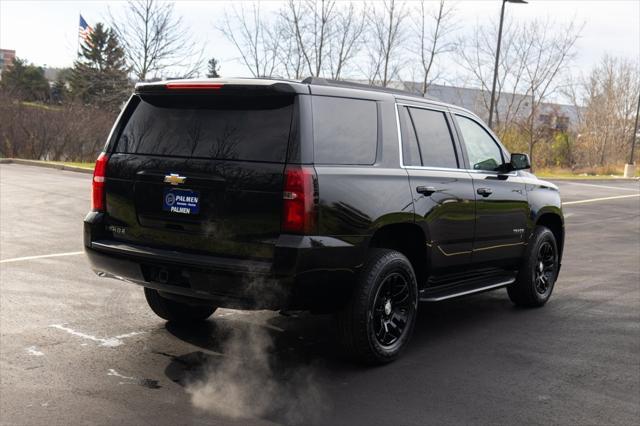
(306, 86)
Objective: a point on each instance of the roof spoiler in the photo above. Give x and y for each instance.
(219, 85)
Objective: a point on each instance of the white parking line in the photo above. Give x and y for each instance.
(109, 341)
(44, 256)
(32, 350)
(601, 186)
(593, 200)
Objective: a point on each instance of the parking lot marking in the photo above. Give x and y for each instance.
(601, 186)
(32, 350)
(593, 200)
(109, 341)
(112, 372)
(43, 256)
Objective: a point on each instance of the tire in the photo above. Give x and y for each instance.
(378, 320)
(539, 270)
(176, 312)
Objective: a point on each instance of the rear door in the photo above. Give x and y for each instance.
(442, 191)
(201, 173)
(502, 208)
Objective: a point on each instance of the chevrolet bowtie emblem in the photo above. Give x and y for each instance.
(174, 179)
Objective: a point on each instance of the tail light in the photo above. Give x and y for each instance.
(98, 203)
(299, 204)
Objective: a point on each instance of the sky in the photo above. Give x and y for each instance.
(46, 32)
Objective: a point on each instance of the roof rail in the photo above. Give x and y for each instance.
(318, 81)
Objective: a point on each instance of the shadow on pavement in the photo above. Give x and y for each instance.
(286, 356)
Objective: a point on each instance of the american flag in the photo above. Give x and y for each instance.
(85, 30)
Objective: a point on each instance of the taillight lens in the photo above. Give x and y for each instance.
(98, 203)
(299, 207)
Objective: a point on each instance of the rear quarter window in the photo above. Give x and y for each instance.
(345, 131)
(218, 127)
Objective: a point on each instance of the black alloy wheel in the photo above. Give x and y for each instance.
(377, 322)
(538, 271)
(392, 307)
(545, 270)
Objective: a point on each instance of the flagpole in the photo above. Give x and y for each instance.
(78, 37)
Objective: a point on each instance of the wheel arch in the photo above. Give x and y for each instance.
(410, 240)
(554, 222)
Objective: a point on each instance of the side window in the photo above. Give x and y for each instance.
(484, 153)
(410, 150)
(434, 138)
(345, 131)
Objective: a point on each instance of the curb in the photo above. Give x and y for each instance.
(45, 164)
(594, 178)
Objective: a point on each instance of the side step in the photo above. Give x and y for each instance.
(462, 289)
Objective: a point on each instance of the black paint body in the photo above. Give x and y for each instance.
(233, 253)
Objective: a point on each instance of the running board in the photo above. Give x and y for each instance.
(450, 292)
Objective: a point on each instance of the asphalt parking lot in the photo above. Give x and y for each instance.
(79, 349)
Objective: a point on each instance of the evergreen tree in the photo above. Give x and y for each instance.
(25, 81)
(213, 68)
(100, 75)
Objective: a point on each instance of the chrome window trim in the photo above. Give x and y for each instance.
(424, 102)
(442, 169)
(445, 169)
(437, 108)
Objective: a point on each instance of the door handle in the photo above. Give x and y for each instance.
(485, 192)
(426, 190)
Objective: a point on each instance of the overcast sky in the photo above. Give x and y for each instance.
(45, 32)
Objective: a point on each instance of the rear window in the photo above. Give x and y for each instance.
(217, 127)
(345, 131)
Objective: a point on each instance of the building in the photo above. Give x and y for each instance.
(511, 106)
(6, 59)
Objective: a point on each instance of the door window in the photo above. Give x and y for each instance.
(434, 138)
(483, 152)
(411, 155)
(426, 139)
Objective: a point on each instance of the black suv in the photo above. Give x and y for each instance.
(320, 196)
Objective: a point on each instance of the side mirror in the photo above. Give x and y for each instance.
(519, 162)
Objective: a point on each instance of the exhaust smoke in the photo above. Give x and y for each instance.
(251, 380)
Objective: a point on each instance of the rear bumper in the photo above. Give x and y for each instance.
(223, 285)
(307, 272)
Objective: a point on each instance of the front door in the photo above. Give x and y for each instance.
(502, 209)
(443, 194)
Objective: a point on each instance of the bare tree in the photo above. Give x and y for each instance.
(431, 29)
(545, 54)
(346, 38)
(310, 22)
(67, 132)
(290, 58)
(607, 97)
(476, 55)
(317, 38)
(156, 40)
(385, 45)
(257, 40)
(533, 63)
